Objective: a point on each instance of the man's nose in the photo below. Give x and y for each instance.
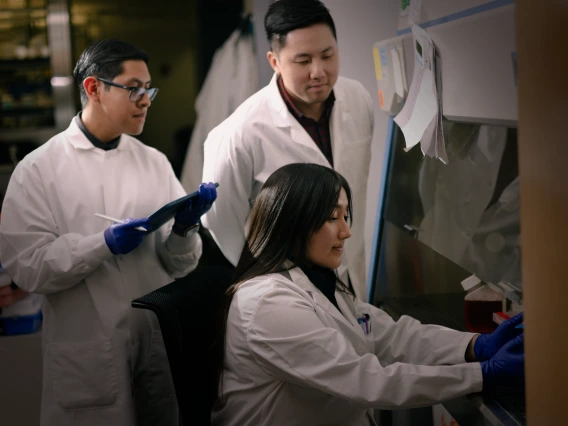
(318, 70)
(145, 101)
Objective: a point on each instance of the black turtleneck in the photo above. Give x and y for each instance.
(92, 138)
(324, 279)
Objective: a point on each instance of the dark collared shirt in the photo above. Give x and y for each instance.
(92, 138)
(324, 279)
(318, 130)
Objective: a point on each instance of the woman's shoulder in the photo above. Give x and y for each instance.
(257, 287)
(265, 290)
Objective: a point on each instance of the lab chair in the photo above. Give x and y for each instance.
(187, 311)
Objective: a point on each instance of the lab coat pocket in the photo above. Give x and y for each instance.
(370, 341)
(83, 374)
(159, 382)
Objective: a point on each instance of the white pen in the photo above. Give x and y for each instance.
(115, 220)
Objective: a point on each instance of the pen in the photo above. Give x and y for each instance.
(115, 220)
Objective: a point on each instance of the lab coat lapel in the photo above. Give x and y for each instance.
(339, 116)
(281, 117)
(302, 281)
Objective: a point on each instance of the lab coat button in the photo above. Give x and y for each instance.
(122, 258)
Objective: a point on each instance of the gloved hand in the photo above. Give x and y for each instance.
(487, 345)
(196, 207)
(507, 367)
(122, 238)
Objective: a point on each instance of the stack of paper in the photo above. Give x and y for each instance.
(421, 117)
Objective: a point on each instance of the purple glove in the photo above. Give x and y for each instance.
(122, 238)
(507, 367)
(196, 207)
(487, 345)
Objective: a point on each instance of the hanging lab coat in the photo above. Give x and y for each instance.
(232, 78)
(95, 346)
(455, 197)
(261, 136)
(292, 358)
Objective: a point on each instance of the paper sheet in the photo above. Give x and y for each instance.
(420, 108)
(441, 153)
(421, 117)
(414, 12)
(397, 70)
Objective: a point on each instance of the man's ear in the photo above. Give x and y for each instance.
(273, 61)
(92, 88)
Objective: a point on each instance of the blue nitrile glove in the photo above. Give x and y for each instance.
(487, 345)
(507, 367)
(195, 208)
(122, 238)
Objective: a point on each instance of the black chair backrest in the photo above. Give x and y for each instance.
(188, 313)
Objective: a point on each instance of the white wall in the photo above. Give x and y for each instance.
(360, 23)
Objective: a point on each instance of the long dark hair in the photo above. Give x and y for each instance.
(292, 206)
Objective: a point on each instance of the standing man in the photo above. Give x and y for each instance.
(307, 114)
(104, 363)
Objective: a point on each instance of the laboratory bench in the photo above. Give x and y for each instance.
(505, 408)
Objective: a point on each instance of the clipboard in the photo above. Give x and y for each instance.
(167, 212)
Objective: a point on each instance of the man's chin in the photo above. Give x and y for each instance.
(320, 97)
(135, 131)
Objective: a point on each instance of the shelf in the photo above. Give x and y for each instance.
(27, 111)
(36, 134)
(6, 169)
(23, 63)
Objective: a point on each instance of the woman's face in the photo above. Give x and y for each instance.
(325, 247)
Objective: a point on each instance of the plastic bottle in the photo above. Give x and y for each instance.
(480, 302)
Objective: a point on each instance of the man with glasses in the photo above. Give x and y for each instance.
(104, 362)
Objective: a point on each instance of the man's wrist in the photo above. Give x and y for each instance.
(184, 230)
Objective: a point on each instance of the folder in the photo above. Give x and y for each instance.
(167, 212)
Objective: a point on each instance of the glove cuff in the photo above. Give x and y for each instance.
(110, 241)
(479, 347)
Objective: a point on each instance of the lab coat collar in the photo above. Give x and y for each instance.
(79, 141)
(301, 280)
(283, 118)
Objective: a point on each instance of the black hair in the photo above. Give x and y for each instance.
(293, 204)
(285, 16)
(104, 59)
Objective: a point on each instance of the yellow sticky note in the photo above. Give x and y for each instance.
(378, 69)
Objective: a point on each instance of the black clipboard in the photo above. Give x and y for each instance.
(167, 212)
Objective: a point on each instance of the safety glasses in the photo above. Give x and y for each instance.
(136, 93)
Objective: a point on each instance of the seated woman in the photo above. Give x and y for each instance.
(300, 349)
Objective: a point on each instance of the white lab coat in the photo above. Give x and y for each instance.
(457, 220)
(232, 78)
(291, 358)
(455, 195)
(96, 347)
(261, 136)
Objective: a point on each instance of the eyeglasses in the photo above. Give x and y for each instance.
(136, 93)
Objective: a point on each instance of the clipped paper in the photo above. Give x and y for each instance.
(419, 110)
(397, 70)
(421, 117)
(414, 12)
